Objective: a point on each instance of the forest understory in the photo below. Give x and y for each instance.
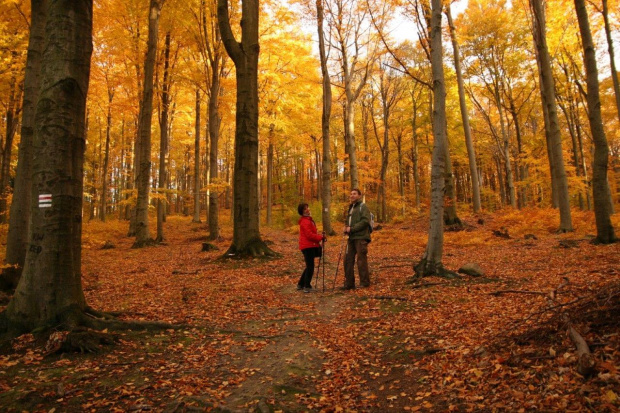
(250, 341)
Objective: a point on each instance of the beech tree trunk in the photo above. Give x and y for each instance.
(246, 235)
(196, 182)
(270, 176)
(471, 154)
(143, 151)
(19, 217)
(106, 159)
(214, 134)
(11, 122)
(326, 178)
(547, 91)
(612, 59)
(162, 183)
(600, 187)
(431, 264)
(51, 286)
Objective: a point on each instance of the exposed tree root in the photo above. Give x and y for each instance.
(144, 243)
(254, 249)
(426, 268)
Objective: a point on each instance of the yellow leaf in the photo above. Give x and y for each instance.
(611, 396)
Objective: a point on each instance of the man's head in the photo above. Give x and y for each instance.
(355, 195)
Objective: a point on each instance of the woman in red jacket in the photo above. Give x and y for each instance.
(309, 244)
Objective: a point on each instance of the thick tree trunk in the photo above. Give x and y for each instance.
(246, 235)
(548, 98)
(162, 183)
(431, 264)
(19, 217)
(471, 154)
(604, 228)
(326, 178)
(143, 174)
(196, 186)
(51, 282)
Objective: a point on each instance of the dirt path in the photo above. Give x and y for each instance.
(285, 369)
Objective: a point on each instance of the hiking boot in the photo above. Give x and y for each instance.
(299, 287)
(345, 288)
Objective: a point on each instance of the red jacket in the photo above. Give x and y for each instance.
(309, 237)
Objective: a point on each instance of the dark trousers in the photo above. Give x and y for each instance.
(357, 247)
(306, 276)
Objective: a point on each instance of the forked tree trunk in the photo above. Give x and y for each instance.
(600, 187)
(548, 98)
(143, 173)
(431, 264)
(51, 286)
(19, 217)
(246, 235)
(326, 179)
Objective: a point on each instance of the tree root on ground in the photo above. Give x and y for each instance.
(254, 249)
(426, 268)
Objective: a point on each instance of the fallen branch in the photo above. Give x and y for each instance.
(389, 297)
(500, 292)
(427, 285)
(586, 363)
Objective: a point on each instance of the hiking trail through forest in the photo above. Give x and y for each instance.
(251, 342)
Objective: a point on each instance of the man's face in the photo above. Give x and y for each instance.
(354, 196)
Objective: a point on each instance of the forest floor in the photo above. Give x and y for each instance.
(251, 342)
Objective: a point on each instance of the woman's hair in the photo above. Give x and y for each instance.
(300, 208)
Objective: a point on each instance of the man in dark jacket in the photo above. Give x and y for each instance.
(358, 229)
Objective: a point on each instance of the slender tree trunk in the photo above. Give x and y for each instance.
(19, 217)
(106, 159)
(431, 264)
(600, 187)
(270, 176)
(143, 174)
(163, 143)
(246, 235)
(50, 286)
(196, 182)
(548, 98)
(471, 154)
(214, 134)
(612, 59)
(326, 178)
(11, 121)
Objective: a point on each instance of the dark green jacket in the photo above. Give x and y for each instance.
(359, 221)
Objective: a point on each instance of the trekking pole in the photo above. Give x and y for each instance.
(323, 264)
(339, 257)
(318, 269)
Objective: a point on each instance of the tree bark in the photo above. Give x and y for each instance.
(612, 59)
(600, 187)
(162, 183)
(51, 282)
(11, 121)
(143, 172)
(326, 178)
(19, 217)
(431, 264)
(547, 91)
(214, 134)
(471, 154)
(196, 182)
(246, 235)
(106, 159)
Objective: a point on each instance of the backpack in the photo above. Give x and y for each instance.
(371, 227)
